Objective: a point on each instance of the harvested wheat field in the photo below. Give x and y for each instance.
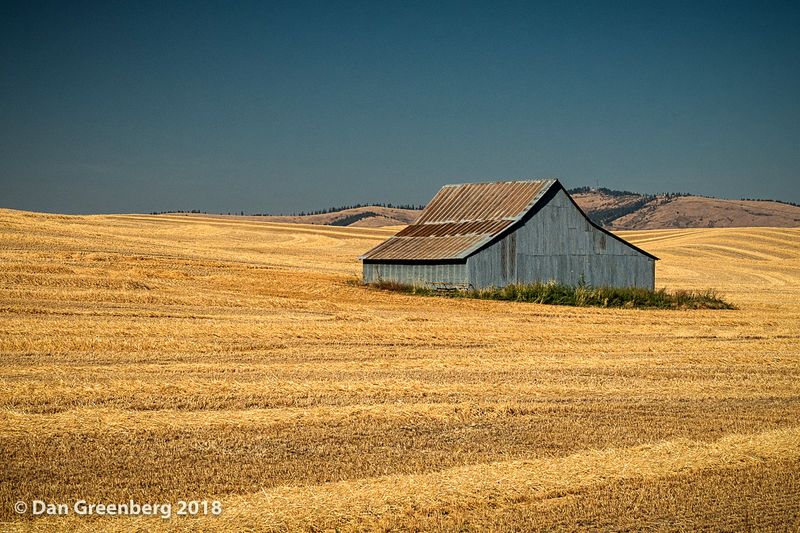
(166, 358)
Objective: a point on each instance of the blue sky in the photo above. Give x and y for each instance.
(281, 107)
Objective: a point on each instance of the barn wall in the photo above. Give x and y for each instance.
(449, 275)
(559, 244)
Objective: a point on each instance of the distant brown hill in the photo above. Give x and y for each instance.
(620, 211)
(370, 216)
(617, 210)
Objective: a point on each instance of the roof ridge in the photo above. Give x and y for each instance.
(495, 182)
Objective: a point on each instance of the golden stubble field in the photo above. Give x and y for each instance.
(162, 358)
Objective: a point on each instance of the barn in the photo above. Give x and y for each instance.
(479, 235)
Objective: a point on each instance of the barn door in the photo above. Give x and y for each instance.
(508, 259)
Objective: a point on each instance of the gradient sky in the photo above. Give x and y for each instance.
(281, 107)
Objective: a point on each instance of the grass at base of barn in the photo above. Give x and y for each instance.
(580, 296)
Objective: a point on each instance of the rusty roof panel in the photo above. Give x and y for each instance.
(460, 219)
(453, 229)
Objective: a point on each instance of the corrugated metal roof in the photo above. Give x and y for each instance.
(460, 219)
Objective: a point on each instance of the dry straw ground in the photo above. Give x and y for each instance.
(163, 358)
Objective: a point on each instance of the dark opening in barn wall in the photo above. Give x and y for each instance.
(600, 241)
(508, 258)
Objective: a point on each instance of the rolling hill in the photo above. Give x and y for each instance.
(632, 211)
(370, 216)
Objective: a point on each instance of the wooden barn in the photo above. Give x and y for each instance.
(479, 235)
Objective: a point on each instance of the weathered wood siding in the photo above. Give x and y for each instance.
(431, 275)
(559, 244)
